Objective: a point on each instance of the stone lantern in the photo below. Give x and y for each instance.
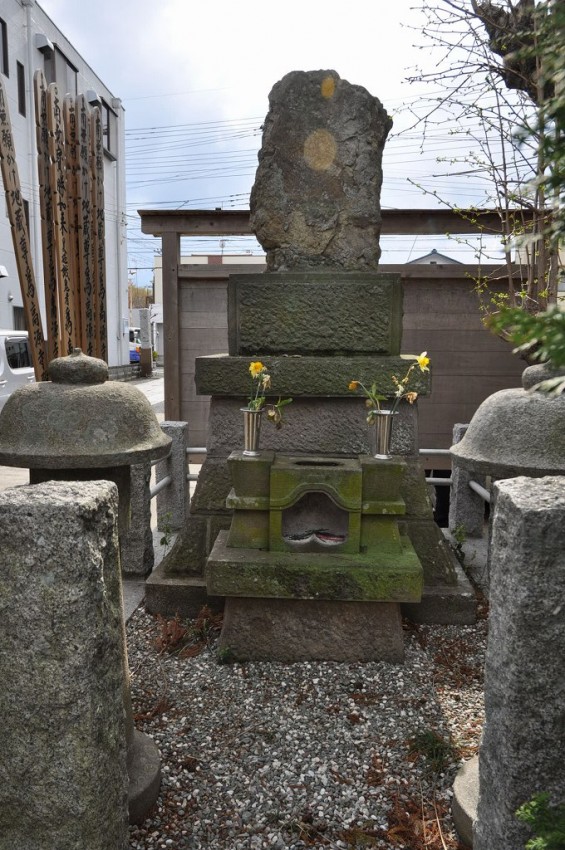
(81, 427)
(516, 432)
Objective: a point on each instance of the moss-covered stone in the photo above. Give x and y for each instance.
(339, 478)
(383, 577)
(246, 503)
(381, 479)
(380, 534)
(249, 529)
(251, 475)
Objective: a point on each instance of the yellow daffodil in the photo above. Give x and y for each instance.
(423, 361)
(257, 399)
(398, 391)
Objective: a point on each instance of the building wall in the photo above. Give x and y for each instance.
(441, 316)
(25, 21)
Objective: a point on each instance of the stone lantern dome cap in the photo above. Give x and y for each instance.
(79, 420)
(516, 432)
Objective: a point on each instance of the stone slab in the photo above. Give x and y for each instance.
(437, 558)
(336, 426)
(465, 799)
(184, 595)
(307, 375)
(311, 630)
(314, 313)
(384, 577)
(445, 605)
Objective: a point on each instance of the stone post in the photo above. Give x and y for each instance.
(137, 540)
(173, 500)
(466, 508)
(63, 772)
(523, 748)
(145, 361)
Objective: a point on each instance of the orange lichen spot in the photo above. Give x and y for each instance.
(320, 149)
(328, 87)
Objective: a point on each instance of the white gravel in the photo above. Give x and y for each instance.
(266, 755)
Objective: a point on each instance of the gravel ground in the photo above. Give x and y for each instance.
(266, 755)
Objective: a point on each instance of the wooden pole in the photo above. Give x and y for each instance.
(99, 253)
(58, 183)
(71, 158)
(20, 239)
(86, 228)
(48, 235)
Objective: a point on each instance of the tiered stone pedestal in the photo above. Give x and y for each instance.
(332, 328)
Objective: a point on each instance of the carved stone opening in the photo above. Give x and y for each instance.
(314, 524)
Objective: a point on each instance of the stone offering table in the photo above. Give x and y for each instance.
(314, 565)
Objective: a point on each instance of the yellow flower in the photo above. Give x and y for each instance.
(266, 382)
(411, 397)
(353, 385)
(423, 361)
(256, 368)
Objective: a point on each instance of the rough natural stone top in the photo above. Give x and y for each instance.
(316, 199)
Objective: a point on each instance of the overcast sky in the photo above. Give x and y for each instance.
(194, 78)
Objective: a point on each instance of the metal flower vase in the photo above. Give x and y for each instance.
(380, 433)
(251, 431)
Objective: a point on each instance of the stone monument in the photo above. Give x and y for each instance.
(319, 317)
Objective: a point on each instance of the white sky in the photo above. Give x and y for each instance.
(183, 63)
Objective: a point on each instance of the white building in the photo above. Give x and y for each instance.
(30, 40)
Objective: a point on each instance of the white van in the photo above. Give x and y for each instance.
(15, 363)
(134, 345)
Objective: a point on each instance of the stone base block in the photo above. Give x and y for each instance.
(382, 576)
(290, 630)
(170, 595)
(465, 800)
(185, 596)
(144, 772)
(445, 605)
